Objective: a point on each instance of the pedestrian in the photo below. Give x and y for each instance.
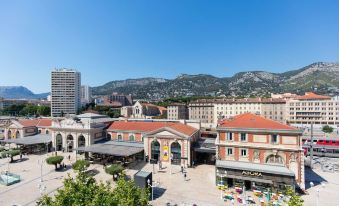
(185, 176)
(20, 155)
(69, 157)
(160, 166)
(182, 169)
(232, 201)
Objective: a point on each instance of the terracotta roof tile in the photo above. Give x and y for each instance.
(252, 121)
(45, 123)
(151, 126)
(35, 122)
(311, 95)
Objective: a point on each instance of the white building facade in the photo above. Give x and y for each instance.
(86, 94)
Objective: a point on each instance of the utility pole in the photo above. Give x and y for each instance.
(311, 147)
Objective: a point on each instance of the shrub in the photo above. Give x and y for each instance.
(114, 169)
(54, 160)
(81, 165)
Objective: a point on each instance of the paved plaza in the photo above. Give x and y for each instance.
(171, 186)
(328, 191)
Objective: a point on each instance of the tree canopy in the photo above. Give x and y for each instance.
(27, 110)
(54, 160)
(114, 169)
(83, 190)
(327, 129)
(81, 165)
(11, 153)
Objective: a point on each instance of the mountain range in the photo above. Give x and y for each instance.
(19, 92)
(321, 77)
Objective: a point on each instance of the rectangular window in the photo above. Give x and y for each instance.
(274, 139)
(243, 137)
(230, 136)
(229, 151)
(244, 152)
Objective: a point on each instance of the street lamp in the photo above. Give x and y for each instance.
(318, 190)
(41, 162)
(150, 185)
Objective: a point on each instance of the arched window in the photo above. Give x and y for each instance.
(47, 132)
(175, 153)
(119, 137)
(81, 141)
(274, 159)
(155, 150)
(70, 143)
(58, 142)
(131, 138)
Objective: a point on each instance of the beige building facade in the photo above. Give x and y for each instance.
(177, 111)
(202, 110)
(313, 108)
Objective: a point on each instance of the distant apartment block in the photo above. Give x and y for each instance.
(177, 111)
(65, 91)
(203, 110)
(86, 94)
(312, 108)
(210, 112)
(267, 107)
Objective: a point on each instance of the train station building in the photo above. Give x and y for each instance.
(257, 153)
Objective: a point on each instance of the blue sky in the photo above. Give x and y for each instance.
(110, 40)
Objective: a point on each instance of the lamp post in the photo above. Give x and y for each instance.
(41, 162)
(318, 191)
(150, 185)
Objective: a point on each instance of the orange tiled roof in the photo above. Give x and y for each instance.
(252, 121)
(44, 123)
(35, 122)
(311, 95)
(151, 126)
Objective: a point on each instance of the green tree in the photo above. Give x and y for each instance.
(294, 199)
(327, 129)
(83, 190)
(11, 153)
(44, 111)
(127, 193)
(54, 160)
(114, 169)
(81, 165)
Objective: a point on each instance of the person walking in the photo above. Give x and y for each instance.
(185, 176)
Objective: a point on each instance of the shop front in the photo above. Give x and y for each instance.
(252, 176)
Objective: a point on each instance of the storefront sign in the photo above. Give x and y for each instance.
(165, 156)
(249, 173)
